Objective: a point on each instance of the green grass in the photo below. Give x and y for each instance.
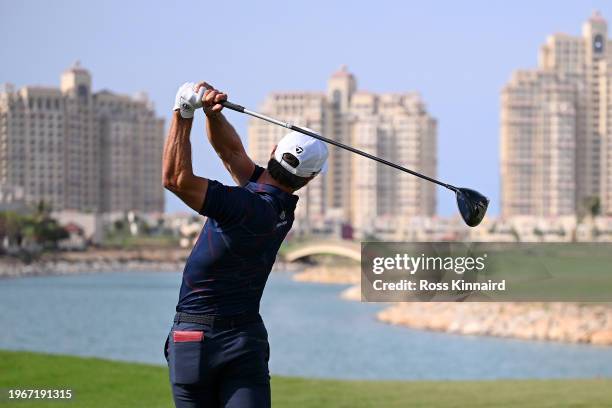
(100, 383)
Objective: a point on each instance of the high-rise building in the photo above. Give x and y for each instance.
(356, 190)
(79, 150)
(556, 154)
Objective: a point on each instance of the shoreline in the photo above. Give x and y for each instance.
(105, 260)
(564, 322)
(551, 322)
(95, 260)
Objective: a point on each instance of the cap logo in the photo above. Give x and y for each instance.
(299, 150)
(291, 160)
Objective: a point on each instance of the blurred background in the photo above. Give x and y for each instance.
(513, 100)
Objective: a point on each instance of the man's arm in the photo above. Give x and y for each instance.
(227, 144)
(224, 138)
(178, 174)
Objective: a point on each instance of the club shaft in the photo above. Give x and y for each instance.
(290, 126)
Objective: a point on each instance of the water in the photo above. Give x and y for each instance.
(313, 333)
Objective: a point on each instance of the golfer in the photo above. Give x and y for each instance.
(217, 349)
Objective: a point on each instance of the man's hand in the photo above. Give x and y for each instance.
(188, 99)
(211, 98)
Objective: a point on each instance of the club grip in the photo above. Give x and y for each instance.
(232, 106)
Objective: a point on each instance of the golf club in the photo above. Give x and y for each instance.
(472, 205)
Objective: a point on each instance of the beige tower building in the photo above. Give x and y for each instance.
(308, 109)
(356, 190)
(605, 127)
(396, 127)
(79, 150)
(131, 137)
(555, 149)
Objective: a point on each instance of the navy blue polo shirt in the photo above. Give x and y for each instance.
(227, 269)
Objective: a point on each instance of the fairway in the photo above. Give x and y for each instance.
(101, 383)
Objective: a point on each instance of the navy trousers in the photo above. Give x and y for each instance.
(212, 367)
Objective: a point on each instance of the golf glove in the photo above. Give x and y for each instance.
(187, 101)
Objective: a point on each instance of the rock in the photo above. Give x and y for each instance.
(332, 274)
(568, 322)
(602, 337)
(353, 293)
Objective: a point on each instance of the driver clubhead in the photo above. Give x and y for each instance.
(472, 205)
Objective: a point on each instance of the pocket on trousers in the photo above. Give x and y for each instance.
(185, 356)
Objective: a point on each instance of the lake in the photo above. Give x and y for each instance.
(313, 333)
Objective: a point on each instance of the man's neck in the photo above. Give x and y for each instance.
(266, 178)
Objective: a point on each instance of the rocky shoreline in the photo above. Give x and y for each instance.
(327, 274)
(104, 260)
(563, 322)
(74, 268)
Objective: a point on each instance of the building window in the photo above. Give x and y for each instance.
(336, 97)
(82, 91)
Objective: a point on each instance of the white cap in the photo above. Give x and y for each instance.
(310, 152)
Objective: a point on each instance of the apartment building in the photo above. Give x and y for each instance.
(76, 149)
(556, 155)
(355, 190)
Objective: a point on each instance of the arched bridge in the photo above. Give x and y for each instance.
(304, 249)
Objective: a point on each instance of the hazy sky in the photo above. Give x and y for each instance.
(456, 54)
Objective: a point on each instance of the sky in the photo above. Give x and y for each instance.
(458, 55)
